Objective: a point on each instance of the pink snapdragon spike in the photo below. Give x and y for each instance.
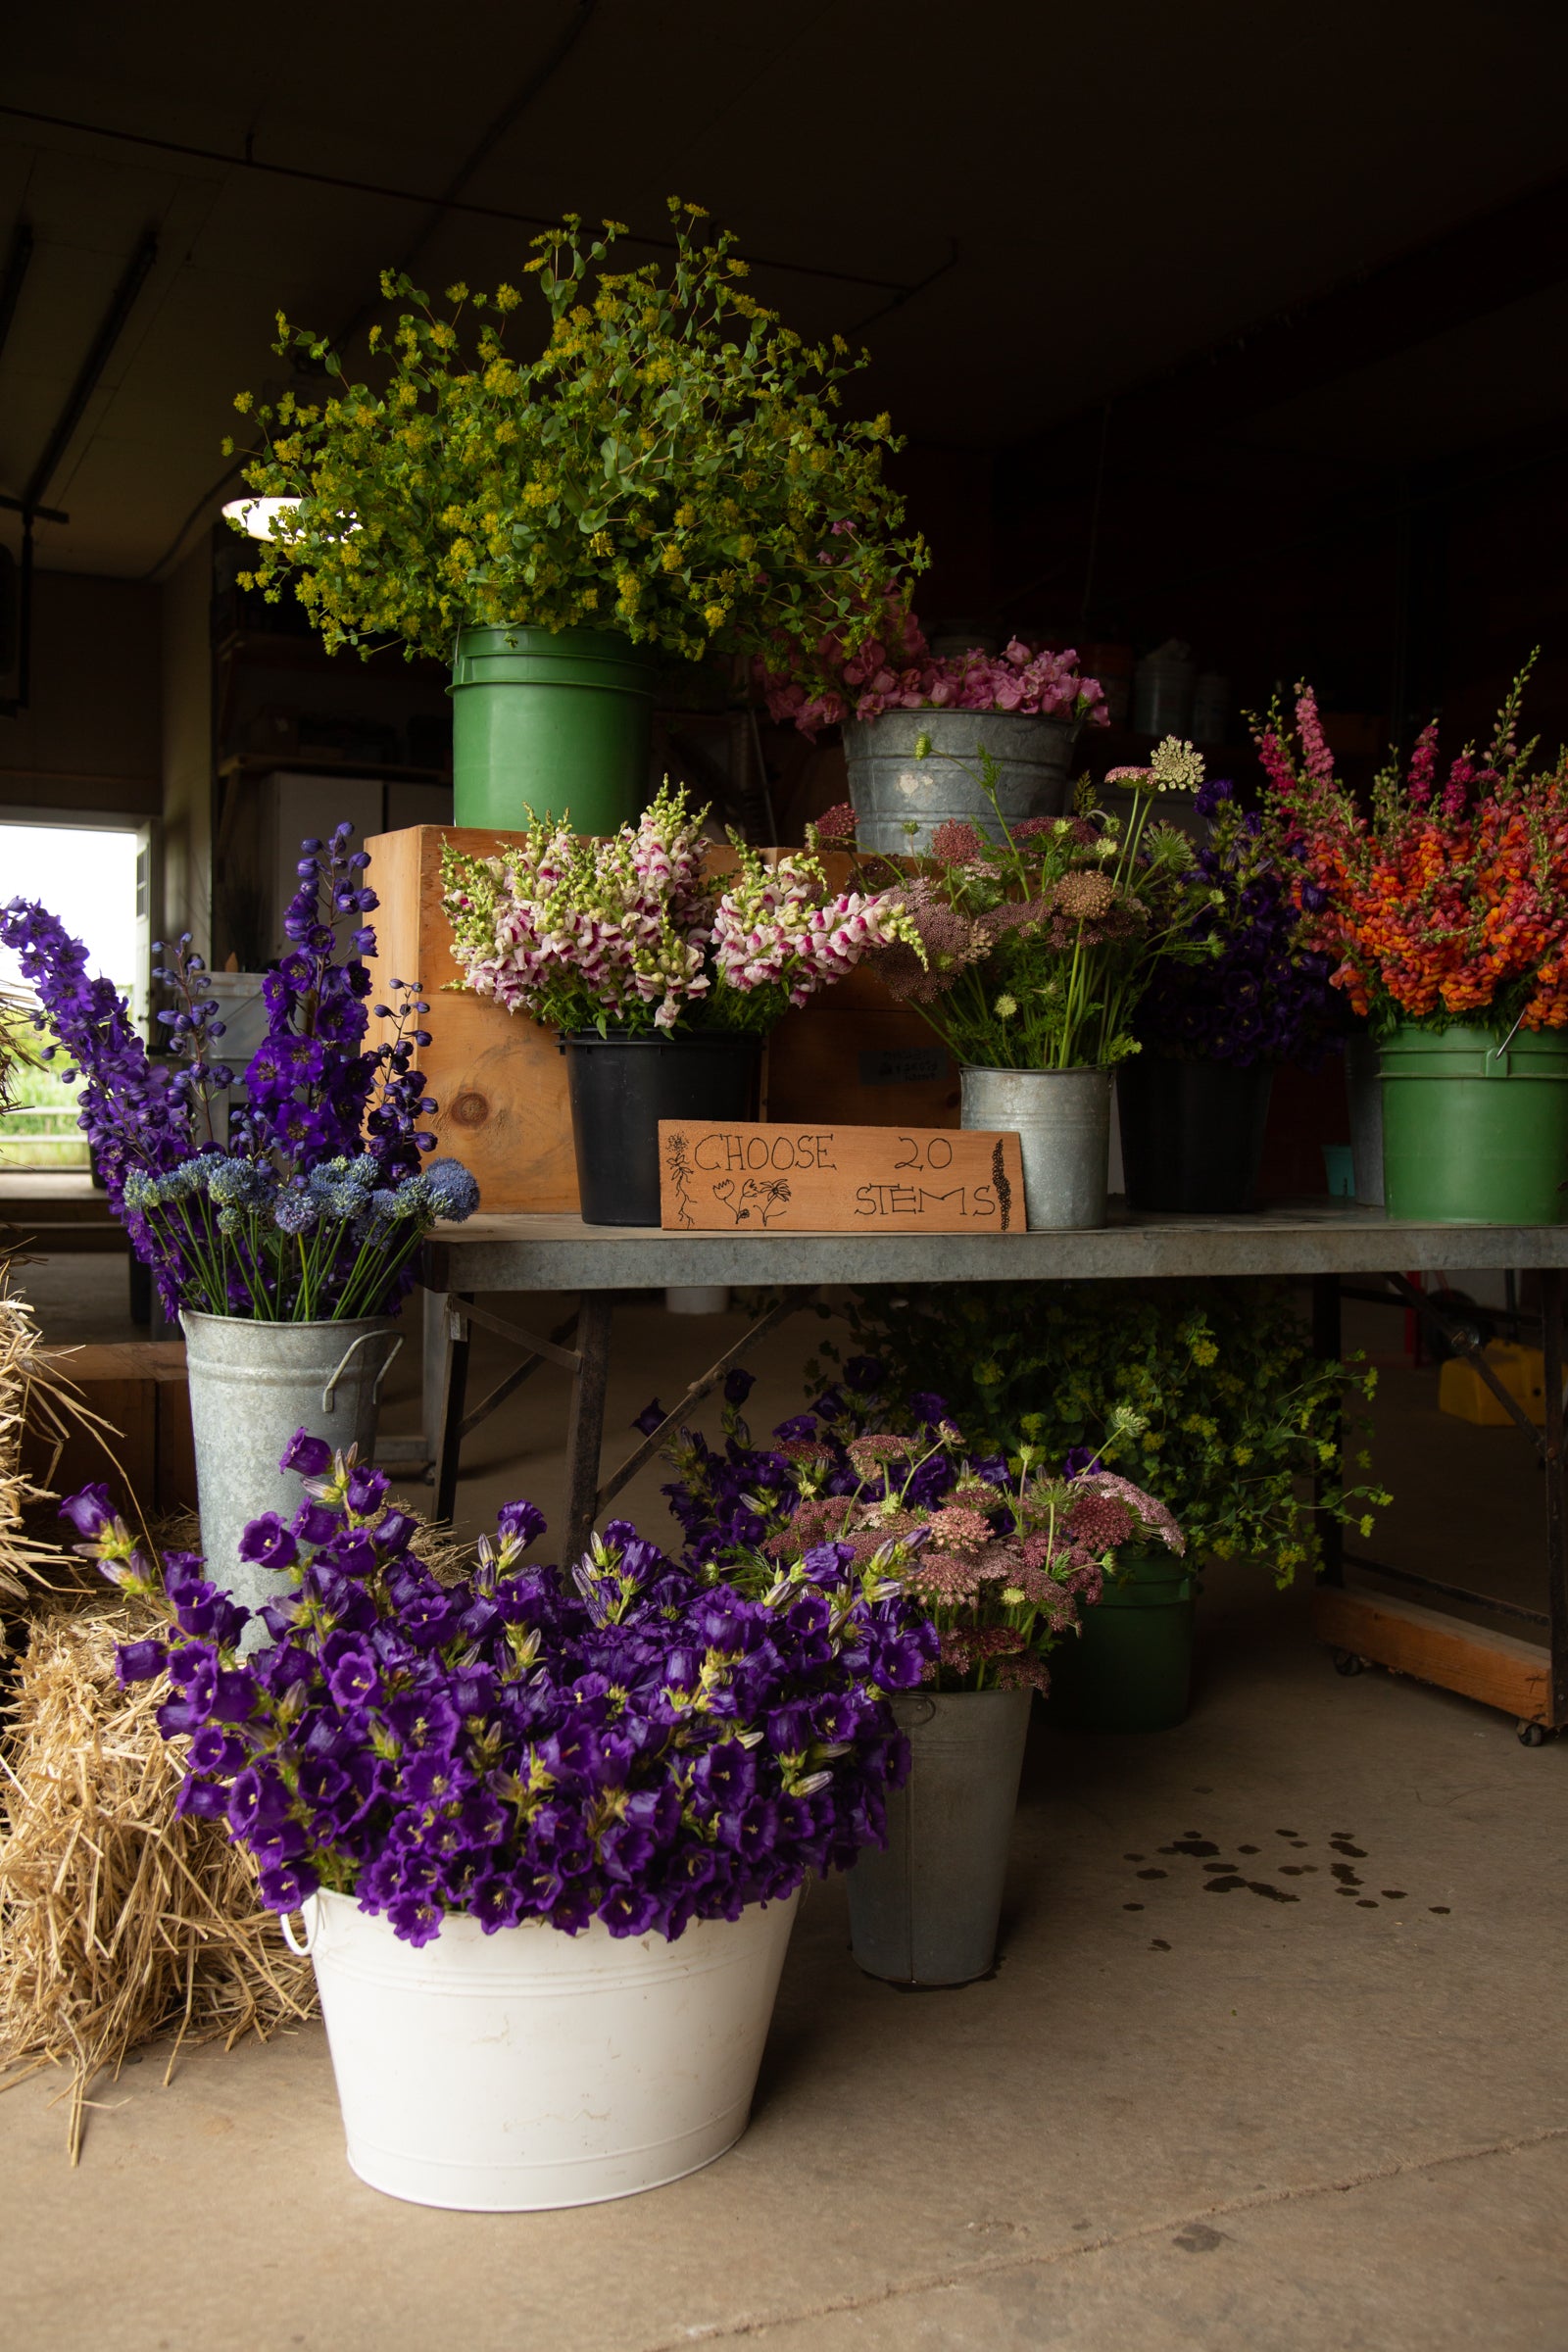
(580, 932)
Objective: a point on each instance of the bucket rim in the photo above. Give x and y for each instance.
(1072, 1070)
(650, 1037)
(279, 1323)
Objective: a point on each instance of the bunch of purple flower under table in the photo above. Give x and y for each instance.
(1341, 1251)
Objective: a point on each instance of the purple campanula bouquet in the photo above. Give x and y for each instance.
(311, 1200)
(1002, 1555)
(1262, 995)
(630, 1741)
(631, 931)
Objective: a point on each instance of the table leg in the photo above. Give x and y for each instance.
(1328, 1343)
(585, 1430)
(454, 1384)
(433, 1359)
(1552, 1348)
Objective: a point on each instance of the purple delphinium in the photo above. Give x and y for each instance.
(314, 1204)
(1261, 997)
(630, 1741)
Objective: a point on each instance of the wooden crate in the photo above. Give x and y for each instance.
(500, 1082)
(146, 1457)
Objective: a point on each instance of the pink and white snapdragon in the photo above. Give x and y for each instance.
(776, 929)
(571, 929)
(630, 932)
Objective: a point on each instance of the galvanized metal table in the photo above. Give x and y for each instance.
(1321, 1243)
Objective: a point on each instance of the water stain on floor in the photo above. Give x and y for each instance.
(1222, 1877)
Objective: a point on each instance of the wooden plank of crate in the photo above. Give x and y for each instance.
(500, 1084)
(1498, 1669)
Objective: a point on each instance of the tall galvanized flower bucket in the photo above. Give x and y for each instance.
(893, 785)
(252, 1386)
(924, 1910)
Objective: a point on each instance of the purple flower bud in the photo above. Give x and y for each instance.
(310, 1456)
(90, 1512)
(316, 1522)
(286, 1887)
(139, 1661)
(524, 1521)
(366, 1489)
(267, 1543)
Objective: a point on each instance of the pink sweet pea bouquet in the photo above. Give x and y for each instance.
(898, 671)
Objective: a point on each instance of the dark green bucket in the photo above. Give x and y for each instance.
(1131, 1667)
(1475, 1130)
(553, 722)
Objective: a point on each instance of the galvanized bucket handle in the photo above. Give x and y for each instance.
(313, 1924)
(330, 1390)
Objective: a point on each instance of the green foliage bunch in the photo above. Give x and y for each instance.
(1208, 1394)
(669, 464)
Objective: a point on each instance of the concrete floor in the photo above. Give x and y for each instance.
(1328, 2110)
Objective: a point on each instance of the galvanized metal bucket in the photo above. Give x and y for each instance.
(252, 1386)
(924, 1910)
(890, 788)
(1062, 1121)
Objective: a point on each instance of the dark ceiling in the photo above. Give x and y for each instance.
(1022, 216)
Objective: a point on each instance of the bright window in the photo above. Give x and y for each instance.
(87, 877)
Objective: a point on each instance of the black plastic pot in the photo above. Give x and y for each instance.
(1191, 1133)
(621, 1088)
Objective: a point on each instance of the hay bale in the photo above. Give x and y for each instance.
(35, 1396)
(117, 1921)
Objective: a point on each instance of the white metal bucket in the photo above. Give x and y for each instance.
(530, 2069)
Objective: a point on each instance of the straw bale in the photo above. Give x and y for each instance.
(117, 1921)
(30, 1395)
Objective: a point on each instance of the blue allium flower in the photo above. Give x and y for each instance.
(456, 1191)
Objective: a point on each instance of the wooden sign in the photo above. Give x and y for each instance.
(755, 1177)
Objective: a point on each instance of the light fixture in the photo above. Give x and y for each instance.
(258, 515)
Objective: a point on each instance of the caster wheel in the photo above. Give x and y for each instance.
(1346, 1661)
(1531, 1735)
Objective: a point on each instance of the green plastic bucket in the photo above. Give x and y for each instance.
(1131, 1667)
(553, 722)
(1475, 1131)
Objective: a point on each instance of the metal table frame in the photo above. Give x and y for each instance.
(1322, 1244)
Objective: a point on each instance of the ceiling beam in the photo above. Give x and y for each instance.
(19, 254)
(100, 351)
(1467, 273)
